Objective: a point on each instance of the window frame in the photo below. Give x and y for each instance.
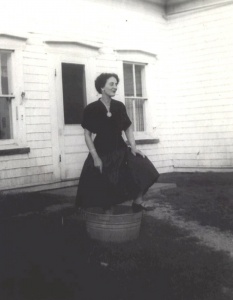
(15, 46)
(10, 96)
(144, 97)
(149, 59)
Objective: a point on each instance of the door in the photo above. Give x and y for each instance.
(71, 101)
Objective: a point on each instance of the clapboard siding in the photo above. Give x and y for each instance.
(40, 107)
(159, 156)
(38, 128)
(35, 103)
(35, 70)
(73, 140)
(17, 160)
(205, 162)
(46, 152)
(38, 120)
(203, 156)
(79, 148)
(26, 162)
(15, 163)
(33, 119)
(37, 115)
(40, 144)
(35, 61)
(22, 162)
(189, 115)
(200, 136)
(200, 106)
(77, 159)
(196, 149)
(41, 111)
(39, 136)
(201, 129)
(210, 102)
(189, 87)
(35, 78)
(5, 174)
(36, 87)
(23, 181)
(201, 143)
(32, 54)
(71, 173)
(38, 95)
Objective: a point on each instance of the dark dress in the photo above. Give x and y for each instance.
(124, 175)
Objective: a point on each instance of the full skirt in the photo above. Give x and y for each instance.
(124, 177)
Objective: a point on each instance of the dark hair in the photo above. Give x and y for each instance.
(102, 79)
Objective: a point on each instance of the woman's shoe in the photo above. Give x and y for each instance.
(136, 207)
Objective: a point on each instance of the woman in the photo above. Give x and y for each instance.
(113, 172)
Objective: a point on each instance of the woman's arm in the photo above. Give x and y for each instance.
(90, 145)
(130, 137)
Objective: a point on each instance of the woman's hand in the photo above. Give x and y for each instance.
(98, 163)
(136, 151)
(130, 137)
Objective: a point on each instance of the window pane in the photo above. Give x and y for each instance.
(129, 108)
(138, 76)
(4, 73)
(128, 80)
(139, 114)
(5, 118)
(73, 81)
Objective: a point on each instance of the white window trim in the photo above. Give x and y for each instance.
(144, 58)
(144, 97)
(15, 45)
(134, 111)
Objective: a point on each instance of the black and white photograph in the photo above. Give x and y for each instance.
(116, 150)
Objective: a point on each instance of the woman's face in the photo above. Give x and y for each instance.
(110, 87)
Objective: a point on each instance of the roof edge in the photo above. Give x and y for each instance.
(14, 36)
(72, 42)
(136, 51)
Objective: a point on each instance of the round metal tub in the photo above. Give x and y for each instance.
(121, 225)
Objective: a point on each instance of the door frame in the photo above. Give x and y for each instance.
(58, 110)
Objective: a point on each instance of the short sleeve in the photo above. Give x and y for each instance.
(88, 121)
(125, 118)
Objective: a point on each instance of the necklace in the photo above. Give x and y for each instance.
(109, 114)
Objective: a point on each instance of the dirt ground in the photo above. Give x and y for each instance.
(48, 256)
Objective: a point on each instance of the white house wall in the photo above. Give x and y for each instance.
(38, 110)
(200, 104)
(189, 83)
(37, 166)
(115, 25)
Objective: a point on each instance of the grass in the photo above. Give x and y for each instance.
(203, 197)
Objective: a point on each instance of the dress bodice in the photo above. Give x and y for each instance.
(108, 130)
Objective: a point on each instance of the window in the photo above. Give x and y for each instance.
(73, 82)
(6, 126)
(135, 94)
